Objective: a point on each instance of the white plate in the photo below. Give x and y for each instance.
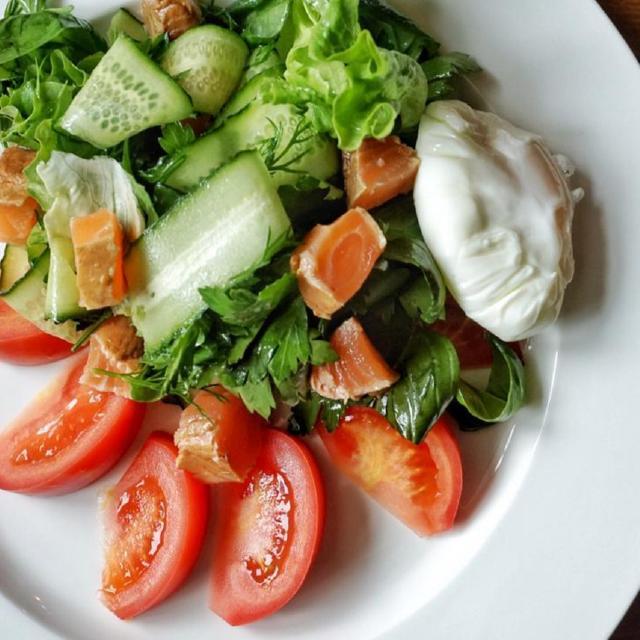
(547, 543)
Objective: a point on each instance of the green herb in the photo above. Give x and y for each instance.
(443, 70)
(505, 392)
(393, 31)
(428, 384)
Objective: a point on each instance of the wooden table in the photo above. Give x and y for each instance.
(626, 16)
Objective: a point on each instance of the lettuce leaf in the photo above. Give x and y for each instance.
(76, 187)
(359, 88)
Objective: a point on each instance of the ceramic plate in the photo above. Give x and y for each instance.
(547, 541)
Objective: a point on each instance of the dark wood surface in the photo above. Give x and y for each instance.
(625, 14)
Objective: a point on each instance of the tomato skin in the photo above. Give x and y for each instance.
(235, 594)
(21, 342)
(420, 484)
(95, 450)
(186, 521)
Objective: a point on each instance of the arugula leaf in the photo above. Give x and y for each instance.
(505, 392)
(428, 384)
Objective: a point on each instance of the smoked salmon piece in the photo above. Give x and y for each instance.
(334, 260)
(218, 438)
(17, 209)
(378, 171)
(360, 370)
(16, 221)
(98, 245)
(13, 182)
(116, 347)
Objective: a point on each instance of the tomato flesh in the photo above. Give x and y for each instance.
(68, 437)
(267, 506)
(141, 514)
(77, 409)
(155, 521)
(420, 484)
(21, 342)
(269, 529)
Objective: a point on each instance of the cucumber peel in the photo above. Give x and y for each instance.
(126, 93)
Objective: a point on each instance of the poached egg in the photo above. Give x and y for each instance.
(495, 209)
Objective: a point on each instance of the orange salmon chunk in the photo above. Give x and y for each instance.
(116, 347)
(98, 245)
(360, 369)
(334, 260)
(16, 221)
(378, 171)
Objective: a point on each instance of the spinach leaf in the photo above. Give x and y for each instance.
(505, 392)
(428, 384)
(265, 23)
(393, 31)
(443, 70)
(406, 272)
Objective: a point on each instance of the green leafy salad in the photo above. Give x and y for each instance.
(180, 168)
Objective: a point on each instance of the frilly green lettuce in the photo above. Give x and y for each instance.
(360, 88)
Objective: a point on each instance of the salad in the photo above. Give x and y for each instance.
(281, 217)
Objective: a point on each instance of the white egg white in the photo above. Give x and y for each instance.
(495, 210)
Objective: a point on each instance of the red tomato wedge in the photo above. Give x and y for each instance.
(268, 532)
(468, 337)
(21, 342)
(218, 437)
(359, 371)
(378, 171)
(419, 484)
(334, 260)
(155, 520)
(68, 437)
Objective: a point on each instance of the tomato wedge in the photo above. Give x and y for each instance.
(468, 337)
(68, 437)
(155, 522)
(419, 484)
(21, 342)
(268, 532)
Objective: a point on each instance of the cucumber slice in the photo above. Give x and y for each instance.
(271, 63)
(27, 297)
(247, 130)
(62, 290)
(14, 265)
(207, 62)
(207, 238)
(242, 98)
(126, 93)
(124, 22)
